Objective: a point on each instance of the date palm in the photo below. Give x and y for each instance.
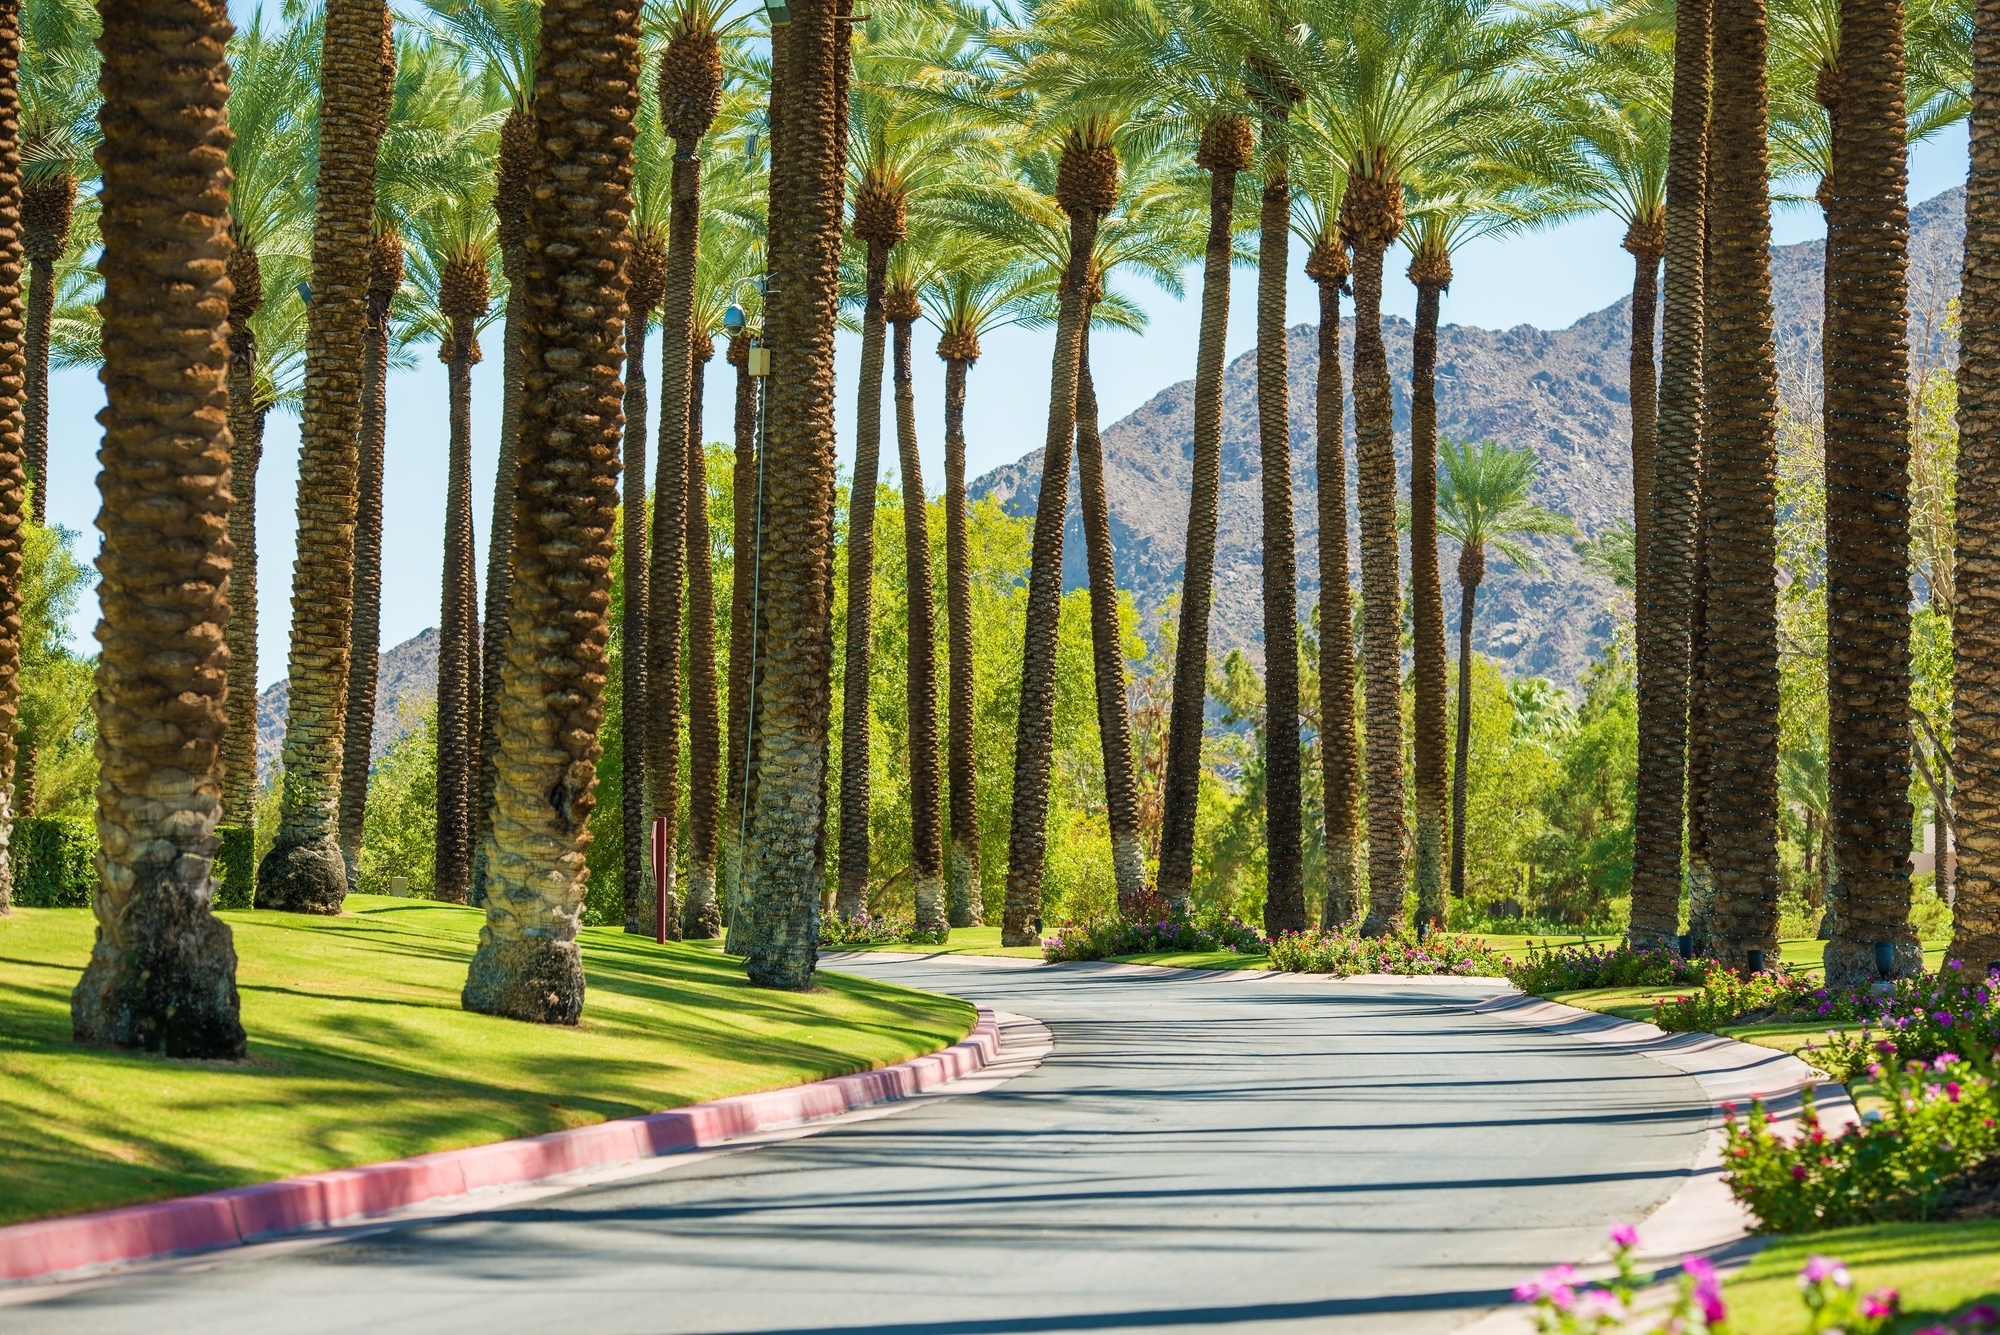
(1175, 69)
(1482, 502)
(528, 966)
(498, 40)
(162, 972)
(1394, 84)
(304, 871)
(978, 289)
(273, 97)
(58, 133)
(1315, 220)
(784, 840)
(453, 256)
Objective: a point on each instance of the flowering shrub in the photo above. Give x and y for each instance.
(1149, 927)
(1344, 954)
(1827, 1290)
(836, 932)
(1571, 968)
(1727, 998)
(1940, 1122)
(1979, 1319)
(1923, 1016)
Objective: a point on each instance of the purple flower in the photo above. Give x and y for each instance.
(1943, 1018)
(1818, 1269)
(1624, 1237)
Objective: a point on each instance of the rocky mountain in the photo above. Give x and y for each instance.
(405, 683)
(1563, 392)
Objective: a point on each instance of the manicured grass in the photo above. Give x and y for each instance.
(1198, 959)
(1940, 1269)
(360, 1052)
(964, 941)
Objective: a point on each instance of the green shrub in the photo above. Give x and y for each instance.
(1343, 954)
(1730, 998)
(1572, 968)
(235, 866)
(55, 862)
(1150, 926)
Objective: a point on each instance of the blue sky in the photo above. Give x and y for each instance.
(1549, 279)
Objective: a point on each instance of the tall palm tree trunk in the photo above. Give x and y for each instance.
(1471, 569)
(48, 206)
(1224, 152)
(1741, 663)
(365, 653)
(304, 872)
(701, 912)
(13, 478)
(1087, 189)
(510, 209)
(528, 966)
(1371, 216)
(648, 278)
(463, 297)
(1645, 242)
(964, 893)
(1867, 500)
(1114, 727)
(1340, 761)
(1284, 899)
(926, 764)
(1976, 628)
(881, 218)
(246, 432)
(1430, 270)
(742, 567)
(1666, 579)
(162, 972)
(783, 847)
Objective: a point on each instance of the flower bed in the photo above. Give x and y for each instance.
(1344, 954)
(1923, 1017)
(1149, 927)
(1575, 968)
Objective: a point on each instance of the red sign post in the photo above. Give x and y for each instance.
(662, 850)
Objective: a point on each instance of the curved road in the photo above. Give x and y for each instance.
(1273, 1154)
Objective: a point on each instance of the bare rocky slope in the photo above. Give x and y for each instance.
(405, 683)
(1563, 392)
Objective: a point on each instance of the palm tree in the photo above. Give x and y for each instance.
(1086, 190)
(528, 966)
(304, 871)
(1396, 84)
(453, 258)
(1976, 628)
(498, 39)
(1483, 502)
(58, 132)
(273, 100)
(978, 288)
(1868, 504)
(1316, 213)
(162, 972)
(1275, 94)
(701, 910)
(1174, 68)
(13, 478)
(1740, 669)
(793, 664)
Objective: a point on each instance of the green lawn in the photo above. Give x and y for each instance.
(964, 941)
(360, 1052)
(1940, 1269)
(1198, 959)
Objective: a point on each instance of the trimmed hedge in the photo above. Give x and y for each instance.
(236, 866)
(55, 862)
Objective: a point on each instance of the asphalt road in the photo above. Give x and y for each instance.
(1279, 1154)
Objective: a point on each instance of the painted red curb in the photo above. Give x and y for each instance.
(53, 1248)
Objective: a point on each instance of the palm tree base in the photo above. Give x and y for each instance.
(701, 915)
(1375, 925)
(1851, 963)
(531, 978)
(964, 897)
(172, 989)
(303, 878)
(930, 908)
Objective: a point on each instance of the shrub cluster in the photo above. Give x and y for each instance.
(1573, 968)
(1940, 1122)
(1923, 1017)
(1564, 1307)
(1731, 998)
(838, 933)
(1344, 954)
(55, 862)
(1150, 926)
(235, 866)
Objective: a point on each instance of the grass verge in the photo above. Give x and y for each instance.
(1198, 959)
(964, 941)
(1940, 1269)
(360, 1052)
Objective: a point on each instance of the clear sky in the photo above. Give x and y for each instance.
(1549, 279)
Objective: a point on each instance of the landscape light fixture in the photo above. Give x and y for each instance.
(1686, 943)
(732, 319)
(1885, 960)
(1756, 961)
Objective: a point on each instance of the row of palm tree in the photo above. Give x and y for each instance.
(989, 169)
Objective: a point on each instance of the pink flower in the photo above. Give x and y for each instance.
(1625, 1237)
(1819, 1269)
(1951, 1090)
(1879, 1305)
(1798, 1172)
